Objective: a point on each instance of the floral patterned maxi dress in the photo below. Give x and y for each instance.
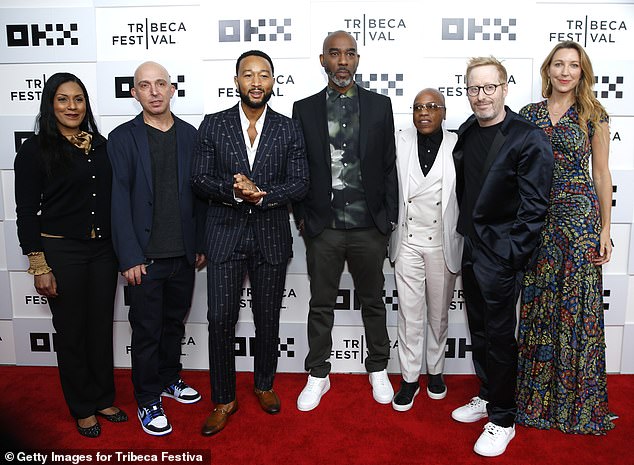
(561, 368)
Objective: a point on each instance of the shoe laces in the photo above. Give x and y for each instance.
(494, 430)
(179, 386)
(477, 403)
(381, 381)
(313, 384)
(155, 410)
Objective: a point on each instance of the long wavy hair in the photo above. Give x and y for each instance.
(55, 149)
(588, 107)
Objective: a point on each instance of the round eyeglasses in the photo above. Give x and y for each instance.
(488, 89)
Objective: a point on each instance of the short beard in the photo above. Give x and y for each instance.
(250, 103)
(337, 81)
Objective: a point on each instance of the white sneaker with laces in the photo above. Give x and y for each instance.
(475, 410)
(382, 389)
(493, 440)
(310, 396)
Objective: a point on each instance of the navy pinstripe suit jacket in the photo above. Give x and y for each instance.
(280, 169)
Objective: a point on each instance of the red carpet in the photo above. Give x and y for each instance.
(349, 427)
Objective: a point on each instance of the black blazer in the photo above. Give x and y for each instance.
(279, 168)
(511, 206)
(378, 161)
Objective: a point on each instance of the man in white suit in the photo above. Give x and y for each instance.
(425, 246)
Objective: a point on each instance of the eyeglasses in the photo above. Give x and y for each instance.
(427, 106)
(488, 89)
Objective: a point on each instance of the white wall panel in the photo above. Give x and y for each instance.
(404, 47)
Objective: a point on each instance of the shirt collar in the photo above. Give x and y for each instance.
(245, 121)
(332, 94)
(434, 138)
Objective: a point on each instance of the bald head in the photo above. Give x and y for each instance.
(430, 92)
(334, 36)
(428, 111)
(153, 90)
(152, 68)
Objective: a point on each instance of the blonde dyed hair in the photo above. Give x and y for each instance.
(486, 61)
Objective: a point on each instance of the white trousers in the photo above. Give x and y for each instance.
(425, 289)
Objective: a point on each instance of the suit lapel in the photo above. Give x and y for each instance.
(320, 124)
(140, 137)
(448, 170)
(363, 128)
(492, 154)
(233, 127)
(410, 154)
(269, 130)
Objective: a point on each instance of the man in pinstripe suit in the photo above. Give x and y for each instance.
(250, 162)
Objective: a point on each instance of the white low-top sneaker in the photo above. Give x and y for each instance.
(493, 440)
(311, 394)
(382, 389)
(475, 410)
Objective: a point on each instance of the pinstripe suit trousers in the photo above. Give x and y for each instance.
(225, 281)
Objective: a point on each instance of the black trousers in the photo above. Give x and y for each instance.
(224, 288)
(491, 289)
(158, 307)
(86, 276)
(364, 250)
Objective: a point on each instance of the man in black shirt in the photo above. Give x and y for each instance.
(155, 220)
(503, 173)
(425, 246)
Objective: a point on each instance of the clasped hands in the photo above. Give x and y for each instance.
(246, 189)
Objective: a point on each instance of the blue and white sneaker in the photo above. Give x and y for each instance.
(153, 419)
(181, 392)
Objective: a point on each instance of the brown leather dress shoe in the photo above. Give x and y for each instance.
(217, 420)
(269, 401)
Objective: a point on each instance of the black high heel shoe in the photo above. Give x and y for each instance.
(118, 417)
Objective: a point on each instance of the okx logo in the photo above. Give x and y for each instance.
(37, 35)
(124, 84)
(41, 342)
(246, 347)
(19, 137)
(479, 28)
(608, 86)
(254, 30)
(384, 84)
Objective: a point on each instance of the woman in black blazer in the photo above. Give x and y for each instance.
(62, 189)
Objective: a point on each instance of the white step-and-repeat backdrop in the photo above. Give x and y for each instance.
(404, 46)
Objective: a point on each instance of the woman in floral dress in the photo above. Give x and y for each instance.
(561, 378)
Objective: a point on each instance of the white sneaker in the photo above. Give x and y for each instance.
(311, 394)
(382, 389)
(475, 410)
(493, 440)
